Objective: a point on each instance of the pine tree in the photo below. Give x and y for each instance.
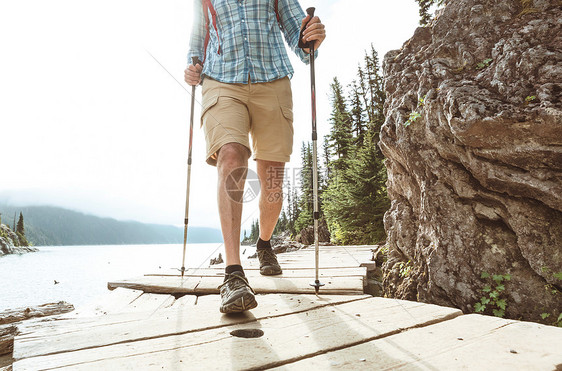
(357, 113)
(291, 209)
(20, 228)
(295, 211)
(340, 138)
(254, 232)
(356, 199)
(424, 6)
(20, 231)
(305, 205)
(282, 224)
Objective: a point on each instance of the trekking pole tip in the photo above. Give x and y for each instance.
(310, 11)
(316, 284)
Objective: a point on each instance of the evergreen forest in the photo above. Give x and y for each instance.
(352, 176)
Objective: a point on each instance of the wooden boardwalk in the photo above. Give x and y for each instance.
(141, 326)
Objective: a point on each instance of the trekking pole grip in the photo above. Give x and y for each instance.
(310, 12)
(196, 61)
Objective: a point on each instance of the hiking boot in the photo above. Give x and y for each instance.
(268, 262)
(236, 294)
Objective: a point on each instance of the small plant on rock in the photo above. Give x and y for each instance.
(492, 299)
(558, 321)
(412, 118)
(557, 318)
(485, 63)
(405, 268)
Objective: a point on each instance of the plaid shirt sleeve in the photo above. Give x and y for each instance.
(198, 33)
(246, 42)
(291, 15)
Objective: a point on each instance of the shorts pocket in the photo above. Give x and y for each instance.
(208, 103)
(288, 113)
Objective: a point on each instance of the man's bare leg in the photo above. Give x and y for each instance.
(232, 166)
(270, 174)
(232, 163)
(271, 201)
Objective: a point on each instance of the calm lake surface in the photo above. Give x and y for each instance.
(83, 271)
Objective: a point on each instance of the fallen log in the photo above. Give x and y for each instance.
(21, 314)
(7, 334)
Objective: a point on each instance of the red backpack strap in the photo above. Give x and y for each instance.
(208, 7)
(277, 14)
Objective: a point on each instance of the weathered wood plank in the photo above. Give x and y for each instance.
(159, 285)
(6, 363)
(468, 342)
(261, 285)
(287, 273)
(286, 338)
(185, 301)
(7, 334)
(150, 303)
(112, 302)
(44, 310)
(69, 335)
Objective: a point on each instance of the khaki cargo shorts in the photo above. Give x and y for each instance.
(264, 110)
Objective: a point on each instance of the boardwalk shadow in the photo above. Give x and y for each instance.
(332, 329)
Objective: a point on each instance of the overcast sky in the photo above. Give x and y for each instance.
(89, 121)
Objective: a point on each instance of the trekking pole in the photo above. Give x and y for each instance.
(316, 284)
(196, 61)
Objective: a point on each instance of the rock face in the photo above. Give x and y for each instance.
(306, 236)
(475, 179)
(9, 242)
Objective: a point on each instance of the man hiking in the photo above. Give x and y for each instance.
(245, 75)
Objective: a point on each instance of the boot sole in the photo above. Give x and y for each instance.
(242, 304)
(270, 271)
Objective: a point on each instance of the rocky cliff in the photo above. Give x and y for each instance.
(10, 243)
(473, 140)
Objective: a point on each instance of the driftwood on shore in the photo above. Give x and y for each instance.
(20, 314)
(8, 319)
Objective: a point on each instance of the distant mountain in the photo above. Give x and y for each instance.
(54, 226)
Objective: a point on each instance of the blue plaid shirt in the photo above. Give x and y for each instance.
(250, 40)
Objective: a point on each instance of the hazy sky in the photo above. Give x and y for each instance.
(89, 121)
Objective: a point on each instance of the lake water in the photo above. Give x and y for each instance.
(83, 271)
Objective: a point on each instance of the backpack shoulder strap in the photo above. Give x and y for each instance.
(277, 14)
(208, 7)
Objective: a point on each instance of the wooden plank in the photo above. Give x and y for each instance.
(468, 342)
(185, 301)
(285, 339)
(261, 285)
(6, 363)
(70, 335)
(159, 285)
(150, 303)
(7, 334)
(111, 302)
(287, 273)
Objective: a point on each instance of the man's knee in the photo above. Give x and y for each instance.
(232, 156)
